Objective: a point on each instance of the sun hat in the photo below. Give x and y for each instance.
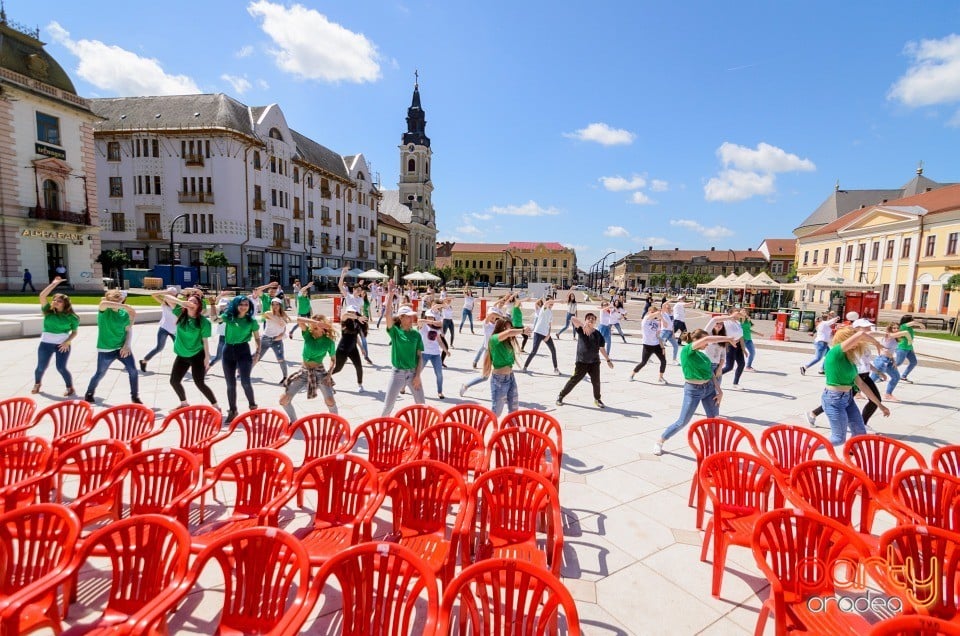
(862, 322)
(405, 311)
(276, 300)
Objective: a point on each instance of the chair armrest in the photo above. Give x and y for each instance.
(182, 509)
(282, 440)
(13, 605)
(156, 610)
(269, 513)
(15, 431)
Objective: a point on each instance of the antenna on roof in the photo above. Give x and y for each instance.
(920, 168)
(836, 186)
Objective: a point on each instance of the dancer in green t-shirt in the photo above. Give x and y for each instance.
(319, 342)
(190, 347)
(114, 335)
(406, 354)
(60, 324)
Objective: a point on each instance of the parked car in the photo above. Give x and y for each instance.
(481, 284)
(581, 288)
(500, 283)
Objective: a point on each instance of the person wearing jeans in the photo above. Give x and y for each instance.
(501, 356)
(733, 329)
(905, 346)
(406, 354)
(571, 313)
(114, 334)
(433, 347)
(275, 322)
(841, 373)
(604, 326)
(821, 342)
(542, 325)
(241, 329)
(167, 327)
(467, 312)
(60, 325)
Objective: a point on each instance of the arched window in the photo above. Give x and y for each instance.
(411, 165)
(51, 195)
(275, 134)
(426, 167)
(360, 176)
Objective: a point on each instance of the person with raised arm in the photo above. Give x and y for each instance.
(406, 355)
(275, 321)
(303, 306)
(241, 329)
(498, 366)
(190, 347)
(589, 347)
(542, 326)
(905, 350)
(319, 342)
(114, 335)
(167, 327)
(652, 346)
(60, 325)
(821, 341)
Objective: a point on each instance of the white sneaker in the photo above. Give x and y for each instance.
(360, 388)
(658, 449)
(810, 418)
(463, 390)
(661, 381)
(556, 372)
(633, 377)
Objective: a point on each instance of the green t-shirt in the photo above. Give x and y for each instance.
(838, 368)
(747, 329)
(54, 322)
(303, 304)
(516, 317)
(264, 303)
(695, 364)
(501, 352)
(190, 337)
(405, 345)
(904, 343)
(315, 349)
(238, 330)
(112, 329)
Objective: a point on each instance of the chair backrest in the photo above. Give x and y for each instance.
(787, 445)
(831, 489)
(921, 555)
(345, 486)
(422, 492)
(538, 421)
(419, 416)
(265, 428)
(946, 459)
(383, 587)
(927, 497)
(473, 415)
(456, 445)
(199, 425)
(70, 421)
(522, 447)
(22, 458)
(127, 422)
(155, 481)
(266, 575)
(93, 463)
(497, 596)
(880, 458)
(506, 504)
(736, 481)
(914, 625)
(261, 474)
(16, 412)
(323, 434)
(714, 435)
(390, 442)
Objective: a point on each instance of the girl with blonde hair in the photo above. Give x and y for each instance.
(60, 325)
(498, 366)
(840, 369)
(319, 342)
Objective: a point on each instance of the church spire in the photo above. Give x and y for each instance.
(416, 118)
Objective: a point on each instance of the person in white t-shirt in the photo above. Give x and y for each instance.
(542, 324)
(167, 327)
(735, 357)
(433, 348)
(680, 315)
(821, 341)
(467, 312)
(652, 346)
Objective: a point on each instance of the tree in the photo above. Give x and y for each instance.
(113, 262)
(215, 260)
(953, 284)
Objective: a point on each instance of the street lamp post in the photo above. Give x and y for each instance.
(730, 291)
(603, 263)
(172, 260)
(512, 262)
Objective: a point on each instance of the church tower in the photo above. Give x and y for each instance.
(416, 188)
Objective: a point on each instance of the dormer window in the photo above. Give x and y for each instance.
(360, 176)
(275, 134)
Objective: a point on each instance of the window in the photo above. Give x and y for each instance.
(554, 262)
(849, 253)
(564, 263)
(296, 175)
(905, 252)
(309, 209)
(156, 184)
(273, 196)
(826, 257)
(544, 262)
(806, 257)
(777, 266)
(113, 151)
(256, 160)
(48, 129)
(296, 235)
(931, 245)
(257, 228)
(815, 255)
(952, 243)
(310, 239)
(273, 164)
(278, 231)
(155, 150)
(861, 251)
(147, 179)
(836, 255)
(890, 246)
(875, 251)
(116, 186)
(411, 165)
(309, 180)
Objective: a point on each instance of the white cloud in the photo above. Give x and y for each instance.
(652, 241)
(620, 184)
(659, 185)
(481, 216)
(737, 185)
(616, 230)
(717, 231)
(469, 228)
(119, 71)
(240, 84)
(245, 51)
(530, 208)
(443, 238)
(312, 47)
(934, 74)
(641, 198)
(262, 84)
(765, 158)
(603, 134)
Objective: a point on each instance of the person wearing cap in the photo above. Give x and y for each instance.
(319, 341)
(303, 304)
(434, 346)
(114, 335)
(167, 327)
(190, 347)
(348, 347)
(275, 321)
(241, 328)
(406, 355)
(498, 364)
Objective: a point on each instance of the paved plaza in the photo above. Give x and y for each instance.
(631, 549)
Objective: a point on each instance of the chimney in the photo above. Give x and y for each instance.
(650, 248)
(676, 249)
(713, 249)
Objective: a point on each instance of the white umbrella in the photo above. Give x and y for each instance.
(372, 274)
(416, 276)
(763, 281)
(355, 272)
(429, 276)
(326, 271)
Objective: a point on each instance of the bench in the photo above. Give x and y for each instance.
(929, 321)
(152, 283)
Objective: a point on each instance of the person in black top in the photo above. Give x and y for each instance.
(347, 347)
(590, 344)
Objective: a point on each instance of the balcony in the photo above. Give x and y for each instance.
(193, 160)
(259, 204)
(149, 235)
(362, 253)
(324, 193)
(386, 243)
(47, 214)
(325, 221)
(325, 248)
(281, 243)
(297, 213)
(195, 197)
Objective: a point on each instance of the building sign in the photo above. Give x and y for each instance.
(76, 237)
(50, 151)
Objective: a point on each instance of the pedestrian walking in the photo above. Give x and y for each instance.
(190, 347)
(652, 346)
(241, 329)
(318, 343)
(27, 280)
(821, 342)
(167, 327)
(542, 325)
(303, 306)
(114, 335)
(589, 347)
(571, 314)
(498, 365)
(467, 311)
(60, 326)
(406, 355)
(275, 321)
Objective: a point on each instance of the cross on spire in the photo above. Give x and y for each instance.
(416, 78)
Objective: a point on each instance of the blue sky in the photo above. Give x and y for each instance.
(604, 126)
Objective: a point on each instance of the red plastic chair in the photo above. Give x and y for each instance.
(149, 557)
(421, 494)
(262, 475)
(22, 461)
(506, 596)
(738, 486)
(322, 433)
(390, 442)
(946, 459)
(456, 445)
(266, 584)
(69, 421)
(914, 557)
(524, 448)
(419, 416)
(130, 423)
(915, 625)
(264, 428)
(799, 553)
(88, 494)
(474, 416)
(706, 437)
(786, 445)
(42, 540)
(345, 486)
(199, 427)
(16, 416)
(833, 490)
(926, 497)
(538, 421)
(880, 458)
(502, 519)
(383, 587)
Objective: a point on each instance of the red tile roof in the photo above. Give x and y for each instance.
(713, 256)
(781, 247)
(526, 245)
(936, 201)
(479, 247)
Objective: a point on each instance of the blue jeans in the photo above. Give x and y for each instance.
(605, 332)
(751, 352)
(269, 342)
(480, 379)
(480, 353)
(667, 335)
(619, 331)
(46, 351)
(566, 325)
(503, 392)
(104, 360)
(467, 313)
(437, 363)
(906, 355)
(820, 350)
(162, 335)
(887, 366)
(693, 396)
(842, 411)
